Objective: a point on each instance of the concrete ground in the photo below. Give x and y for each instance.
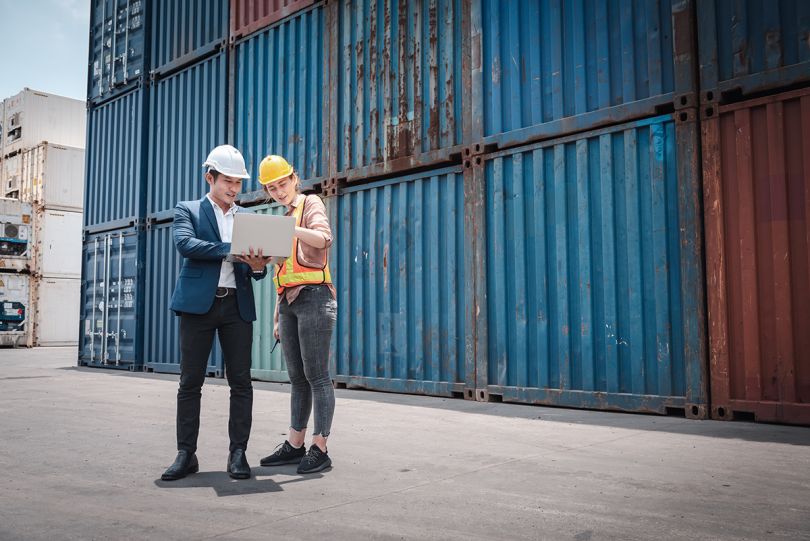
(82, 450)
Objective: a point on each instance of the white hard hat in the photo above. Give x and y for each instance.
(228, 161)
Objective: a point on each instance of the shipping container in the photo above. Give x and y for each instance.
(279, 93)
(31, 117)
(752, 46)
(399, 268)
(118, 48)
(15, 310)
(247, 16)
(399, 92)
(184, 32)
(16, 235)
(111, 326)
(591, 291)
(267, 366)
(115, 191)
(756, 159)
(188, 111)
(10, 176)
(57, 246)
(49, 175)
(552, 68)
(161, 325)
(56, 304)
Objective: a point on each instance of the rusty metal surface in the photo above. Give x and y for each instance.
(757, 200)
(398, 80)
(248, 16)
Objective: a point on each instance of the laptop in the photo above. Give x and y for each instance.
(272, 234)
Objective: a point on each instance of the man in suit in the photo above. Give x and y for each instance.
(214, 295)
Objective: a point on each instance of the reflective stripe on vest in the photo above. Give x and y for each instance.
(291, 273)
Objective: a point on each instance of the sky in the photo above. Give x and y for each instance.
(44, 46)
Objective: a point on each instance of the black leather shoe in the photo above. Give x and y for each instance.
(238, 467)
(184, 464)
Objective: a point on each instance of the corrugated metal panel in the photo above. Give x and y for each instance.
(183, 30)
(398, 262)
(111, 329)
(161, 327)
(16, 310)
(753, 45)
(757, 178)
(188, 120)
(114, 190)
(266, 366)
(279, 95)
(250, 15)
(587, 285)
(543, 61)
(398, 80)
(117, 47)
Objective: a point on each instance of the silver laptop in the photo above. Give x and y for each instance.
(273, 234)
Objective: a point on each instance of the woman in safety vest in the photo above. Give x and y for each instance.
(305, 316)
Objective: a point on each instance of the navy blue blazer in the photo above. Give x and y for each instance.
(196, 236)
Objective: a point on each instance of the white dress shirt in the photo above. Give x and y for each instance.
(225, 225)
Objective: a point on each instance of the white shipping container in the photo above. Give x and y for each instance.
(48, 174)
(57, 243)
(16, 235)
(15, 310)
(32, 117)
(56, 303)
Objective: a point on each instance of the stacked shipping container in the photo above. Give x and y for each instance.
(517, 212)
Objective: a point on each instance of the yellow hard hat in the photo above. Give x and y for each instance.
(274, 168)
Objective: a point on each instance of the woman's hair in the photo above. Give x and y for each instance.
(294, 176)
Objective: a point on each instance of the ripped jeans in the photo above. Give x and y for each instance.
(305, 328)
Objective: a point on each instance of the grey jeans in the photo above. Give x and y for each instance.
(305, 328)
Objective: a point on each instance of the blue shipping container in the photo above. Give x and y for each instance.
(398, 90)
(267, 366)
(161, 326)
(592, 294)
(117, 47)
(543, 61)
(752, 46)
(279, 91)
(112, 300)
(399, 270)
(184, 31)
(114, 190)
(188, 120)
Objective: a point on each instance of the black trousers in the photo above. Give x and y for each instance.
(196, 339)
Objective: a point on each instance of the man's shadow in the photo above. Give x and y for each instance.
(223, 485)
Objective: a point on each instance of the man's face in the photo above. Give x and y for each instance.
(223, 189)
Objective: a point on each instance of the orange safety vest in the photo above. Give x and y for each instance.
(291, 273)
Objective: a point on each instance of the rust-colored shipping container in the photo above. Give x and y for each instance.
(756, 160)
(247, 16)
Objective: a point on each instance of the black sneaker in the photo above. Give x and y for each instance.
(314, 461)
(284, 454)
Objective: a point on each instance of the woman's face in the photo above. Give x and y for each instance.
(283, 191)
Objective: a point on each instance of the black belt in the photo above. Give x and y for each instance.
(223, 292)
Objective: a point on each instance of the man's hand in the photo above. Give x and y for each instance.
(257, 261)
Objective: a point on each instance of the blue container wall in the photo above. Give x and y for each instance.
(279, 95)
(117, 47)
(267, 366)
(182, 30)
(114, 188)
(543, 61)
(398, 265)
(398, 81)
(753, 45)
(188, 120)
(161, 326)
(112, 305)
(583, 275)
